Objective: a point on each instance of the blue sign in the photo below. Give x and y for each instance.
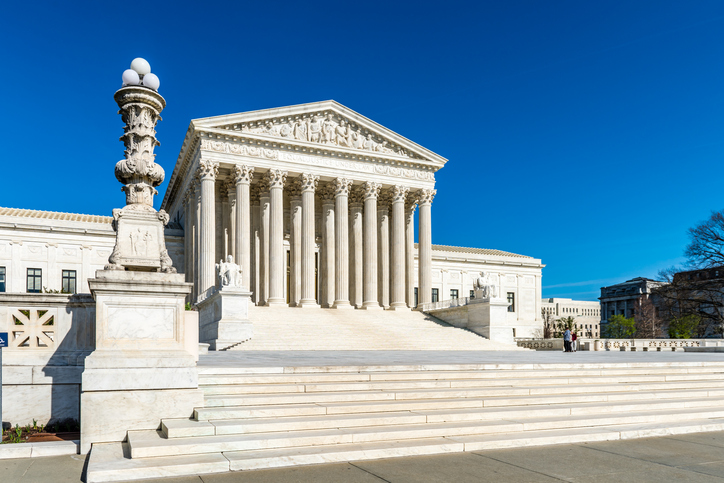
(3, 339)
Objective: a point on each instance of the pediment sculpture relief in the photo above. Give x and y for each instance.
(329, 129)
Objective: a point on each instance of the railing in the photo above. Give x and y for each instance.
(541, 344)
(444, 304)
(48, 324)
(651, 344)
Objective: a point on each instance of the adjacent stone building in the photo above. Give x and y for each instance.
(623, 298)
(587, 314)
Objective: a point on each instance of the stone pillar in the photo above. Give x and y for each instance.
(383, 245)
(308, 184)
(225, 221)
(399, 194)
(208, 170)
(264, 212)
(424, 293)
(242, 224)
(277, 269)
(295, 243)
(371, 191)
(328, 246)
(356, 249)
(341, 245)
(255, 243)
(197, 238)
(410, 206)
(188, 235)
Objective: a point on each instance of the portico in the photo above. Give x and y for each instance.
(315, 202)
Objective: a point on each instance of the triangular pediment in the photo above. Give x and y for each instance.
(327, 124)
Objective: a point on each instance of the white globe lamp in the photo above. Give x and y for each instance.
(141, 66)
(151, 81)
(130, 78)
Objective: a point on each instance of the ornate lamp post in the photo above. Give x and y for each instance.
(139, 227)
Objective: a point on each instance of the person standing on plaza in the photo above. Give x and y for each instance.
(574, 344)
(567, 341)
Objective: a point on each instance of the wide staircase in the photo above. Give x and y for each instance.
(282, 328)
(284, 416)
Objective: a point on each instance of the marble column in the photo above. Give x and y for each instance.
(424, 264)
(197, 238)
(277, 267)
(233, 208)
(295, 243)
(383, 245)
(225, 221)
(371, 191)
(308, 184)
(410, 205)
(341, 243)
(264, 218)
(188, 233)
(399, 194)
(242, 225)
(356, 250)
(255, 243)
(328, 246)
(208, 171)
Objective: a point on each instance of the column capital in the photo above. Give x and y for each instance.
(342, 186)
(371, 189)
(231, 190)
(295, 189)
(425, 196)
(327, 191)
(399, 193)
(411, 202)
(188, 194)
(308, 182)
(356, 196)
(242, 174)
(276, 178)
(384, 199)
(208, 170)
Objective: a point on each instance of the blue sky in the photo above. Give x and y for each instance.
(587, 134)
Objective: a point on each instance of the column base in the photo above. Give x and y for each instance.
(399, 308)
(312, 304)
(371, 306)
(342, 305)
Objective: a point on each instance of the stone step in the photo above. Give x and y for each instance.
(112, 462)
(146, 444)
(175, 428)
(250, 460)
(478, 370)
(250, 389)
(447, 393)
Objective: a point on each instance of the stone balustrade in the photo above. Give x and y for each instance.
(641, 345)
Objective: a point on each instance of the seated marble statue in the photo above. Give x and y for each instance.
(229, 273)
(485, 287)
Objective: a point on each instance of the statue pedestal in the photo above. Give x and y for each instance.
(143, 368)
(489, 318)
(224, 318)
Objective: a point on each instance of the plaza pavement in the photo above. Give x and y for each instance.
(685, 458)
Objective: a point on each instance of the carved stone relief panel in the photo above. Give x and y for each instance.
(325, 127)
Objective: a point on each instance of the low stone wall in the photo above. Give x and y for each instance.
(541, 344)
(50, 336)
(657, 345)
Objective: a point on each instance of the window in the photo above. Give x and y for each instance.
(511, 302)
(68, 281)
(415, 297)
(35, 280)
(472, 294)
(453, 294)
(434, 295)
(2, 279)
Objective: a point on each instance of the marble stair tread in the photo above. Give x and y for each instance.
(144, 444)
(448, 393)
(243, 388)
(185, 427)
(109, 462)
(267, 411)
(251, 460)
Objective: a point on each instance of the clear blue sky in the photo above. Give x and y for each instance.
(587, 134)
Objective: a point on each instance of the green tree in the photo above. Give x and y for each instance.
(685, 327)
(619, 327)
